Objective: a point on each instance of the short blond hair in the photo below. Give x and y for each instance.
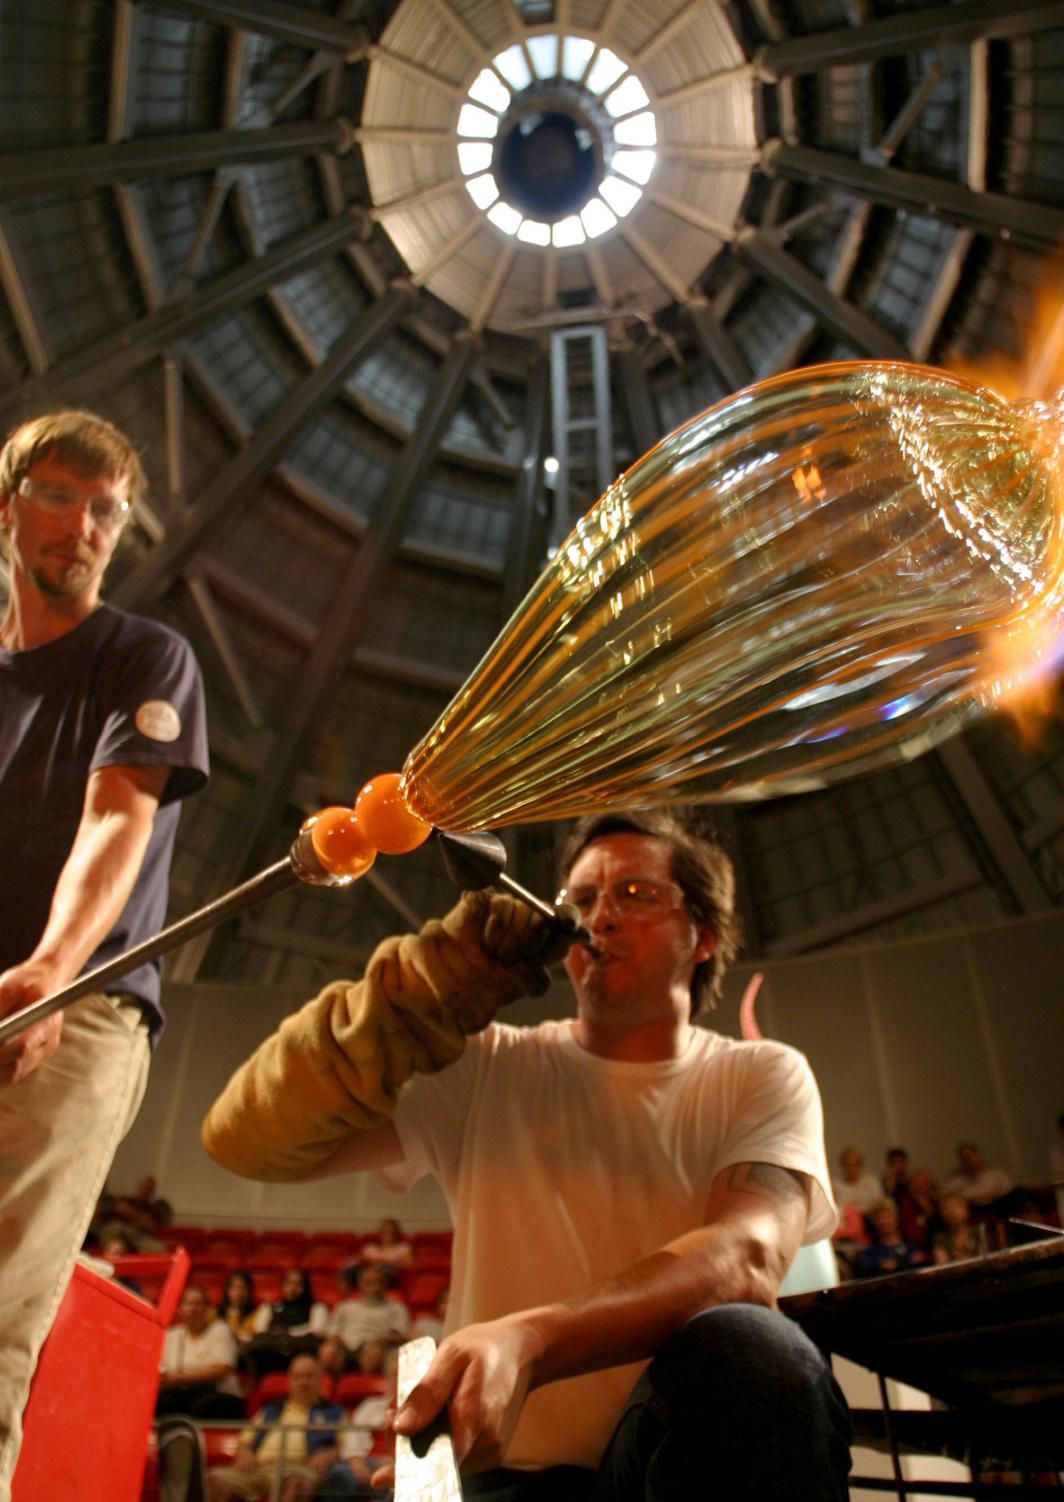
(86, 442)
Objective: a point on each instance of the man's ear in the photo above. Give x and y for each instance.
(707, 942)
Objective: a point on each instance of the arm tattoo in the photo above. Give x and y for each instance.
(778, 1186)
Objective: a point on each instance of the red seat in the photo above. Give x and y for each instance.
(432, 1258)
(342, 1245)
(287, 1247)
(352, 1387)
(230, 1247)
(424, 1289)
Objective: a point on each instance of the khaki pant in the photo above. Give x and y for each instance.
(58, 1133)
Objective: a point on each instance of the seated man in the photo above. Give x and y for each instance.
(361, 1328)
(627, 1187)
(364, 1446)
(297, 1436)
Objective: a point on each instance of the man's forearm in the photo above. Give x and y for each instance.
(102, 867)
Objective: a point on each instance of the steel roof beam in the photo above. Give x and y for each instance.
(118, 354)
(261, 455)
(852, 325)
(54, 169)
(296, 24)
(912, 30)
(918, 192)
(343, 626)
(1007, 864)
(718, 346)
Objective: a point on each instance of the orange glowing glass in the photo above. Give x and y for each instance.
(340, 842)
(825, 574)
(386, 818)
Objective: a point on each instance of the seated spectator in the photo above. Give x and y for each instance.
(390, 1252)
(365, 1446)
(959, 1239)
(198, 1374)
(432, 1324)
(141, 1214)
(120, 1243)
(363, 1324)
(850, 1237)
(290, 1327)
(890, 1252)
(896, 1177)
(856, 1187)
(239, 1307)
(298, 1436)
(918, 1211)
(988, 1191)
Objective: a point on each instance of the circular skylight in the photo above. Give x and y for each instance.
(556, 140)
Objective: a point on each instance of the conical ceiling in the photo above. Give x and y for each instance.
(351, 272)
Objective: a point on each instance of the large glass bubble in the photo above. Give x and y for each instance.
(824, 574)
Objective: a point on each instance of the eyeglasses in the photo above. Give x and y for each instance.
(107, 511)
(632, 896)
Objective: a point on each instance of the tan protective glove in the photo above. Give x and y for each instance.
(338, 1064)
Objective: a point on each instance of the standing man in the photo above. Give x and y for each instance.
(102, 733)
(627, 1189)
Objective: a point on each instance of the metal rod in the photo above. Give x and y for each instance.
(273, 879)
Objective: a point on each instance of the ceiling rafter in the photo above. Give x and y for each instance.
(264, 449)
(908, 31)
(72, 168)
(939, 198)
(848, 321)
(118, 354)
(295, 24)
(342, 629)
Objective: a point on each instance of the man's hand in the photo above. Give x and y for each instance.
(482, 1374)
(20, 987)
(321, 1460)
(244, 1459)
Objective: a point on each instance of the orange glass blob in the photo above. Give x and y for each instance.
(387, 819)
(340, 842)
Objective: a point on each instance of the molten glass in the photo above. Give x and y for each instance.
(386, 819)
(340, 842)
(825, 574)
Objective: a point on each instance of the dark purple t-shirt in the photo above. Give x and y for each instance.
(118, 690)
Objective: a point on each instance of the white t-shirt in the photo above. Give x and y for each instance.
(354, 1321)
(865, 1193)
(562, 1168)
(185, 1352)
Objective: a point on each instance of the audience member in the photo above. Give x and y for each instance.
(390, 1252)
(850, 1236)
(855, 1186)
(365, 1445)
(918, 1211)
(239, 1306)
(296, 1438)
(120, 1244)
(890, 1252)
(361, 1326)
(198, 1374)
(959, 1239)
(896, 1176)
(291, 1326)
(989, 1191)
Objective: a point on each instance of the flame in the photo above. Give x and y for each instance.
(1024, 670)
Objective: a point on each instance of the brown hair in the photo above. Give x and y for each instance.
(701, 869)
(87, 443)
